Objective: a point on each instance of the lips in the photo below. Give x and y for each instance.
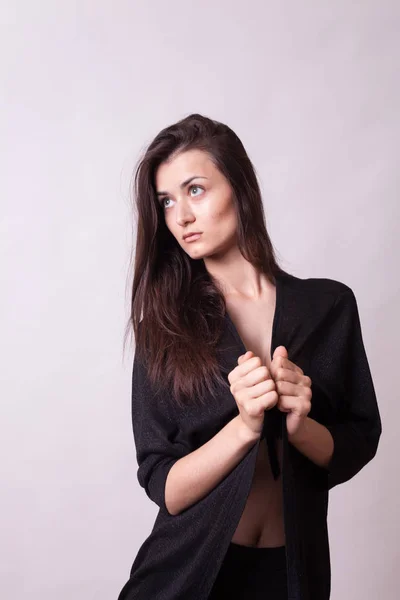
(192, 236)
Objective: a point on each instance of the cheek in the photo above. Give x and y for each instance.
(217, 215)
(222, 211)
(224, 217)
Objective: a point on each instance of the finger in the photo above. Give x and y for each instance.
(283, 374)
(243, 366)
(283, 362)
(243, 357)
(261, 387)
(287, 388)
(259, 373)
(291, 365)
(248, 365)
(264, 402)
(292, 389)
(288, 364)
(291, 404)
(280, 362)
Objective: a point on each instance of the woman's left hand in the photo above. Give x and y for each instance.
(294, 390)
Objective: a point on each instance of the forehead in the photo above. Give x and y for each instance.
(182, 166)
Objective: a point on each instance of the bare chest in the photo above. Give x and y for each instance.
(261, 523)
(254, 322)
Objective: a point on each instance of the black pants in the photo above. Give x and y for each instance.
(251, 573)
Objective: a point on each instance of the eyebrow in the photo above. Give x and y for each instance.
(184, 183)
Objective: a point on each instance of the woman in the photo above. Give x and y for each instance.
(251, 390)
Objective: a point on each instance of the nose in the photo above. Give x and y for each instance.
(183, 213)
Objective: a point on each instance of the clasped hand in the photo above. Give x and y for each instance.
(257, 388)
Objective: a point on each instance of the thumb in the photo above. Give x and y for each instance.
(280, 351)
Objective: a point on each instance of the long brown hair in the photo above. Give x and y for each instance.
(182, 307)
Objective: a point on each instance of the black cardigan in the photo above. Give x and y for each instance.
(317, 320)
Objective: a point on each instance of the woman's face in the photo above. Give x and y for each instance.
(204, 204)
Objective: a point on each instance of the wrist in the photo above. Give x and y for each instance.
(245, 434)
(300, 434)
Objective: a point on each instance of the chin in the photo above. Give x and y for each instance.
(196, 255)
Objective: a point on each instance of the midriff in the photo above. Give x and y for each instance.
(261, 523)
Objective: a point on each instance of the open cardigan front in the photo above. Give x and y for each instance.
(317, 320)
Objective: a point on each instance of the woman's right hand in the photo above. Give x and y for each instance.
(254, 391)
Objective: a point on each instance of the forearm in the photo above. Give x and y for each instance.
(314, 441)
(195, 475)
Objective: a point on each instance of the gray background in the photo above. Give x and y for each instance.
(312, 89)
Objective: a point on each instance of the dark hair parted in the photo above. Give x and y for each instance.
(181, 306)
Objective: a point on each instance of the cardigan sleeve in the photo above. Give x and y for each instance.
(357, 431)
(154, 430)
